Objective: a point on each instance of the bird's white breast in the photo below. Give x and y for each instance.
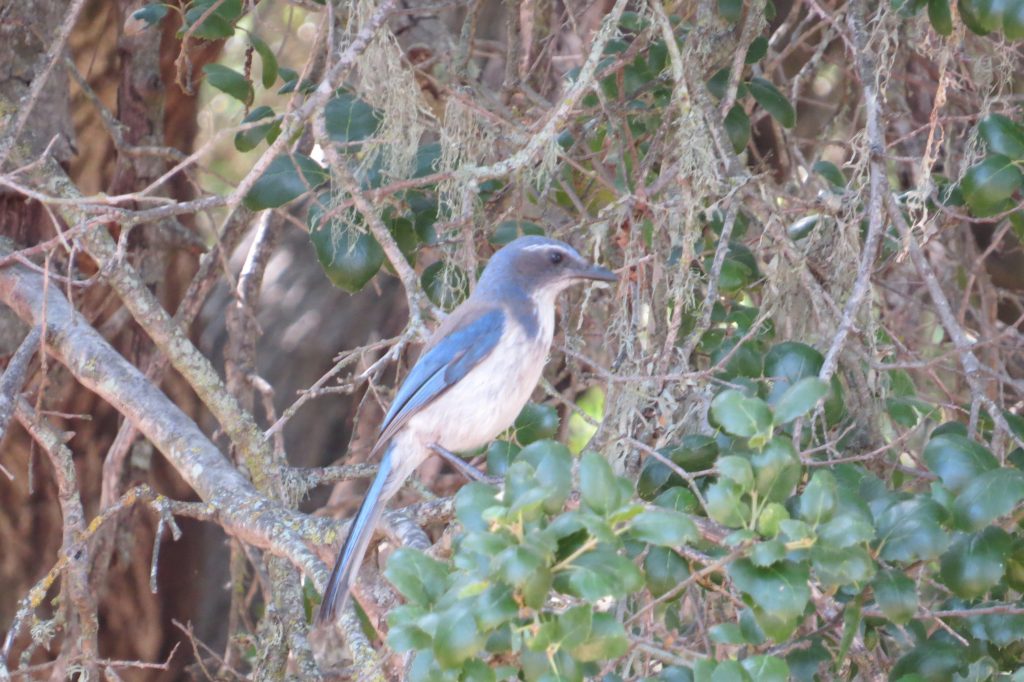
(487, 400)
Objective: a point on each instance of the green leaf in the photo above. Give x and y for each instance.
(229, 82)
(730, 10)
(909, 530)
(151, 14)
(830, 172)
(770, 518)
(788, 362)
(607, 640)
(725, 504)
(740, 415)
(976, 563)
(779, 593)
(935, 659)
(766, 668)
(989, 13)
(773, 101)
(818, 500)
(895, 595)
(987, 185)
(845, 529)
(664, 527)
(799, 399)
(552, 466)
(457, 638)
(738, 470)
(508, 230)
(286, 178)
(768, 553)
(268, 58)
(839, 567)
(991, 495)
(940, 16)
(247, 140)
(470, 503)
(219, 24)
(777, 469)
(800, 229)
(350, 119)
(726, 633)
(599, 574)
(1002, 629)
(445, 285)
(536, 422)
(1002, 136)
(664, 570)
(757, 50)
(957, 460)
(420, 579)
(1013, 24)
(737, 126)
(598, 488)
(350, 258)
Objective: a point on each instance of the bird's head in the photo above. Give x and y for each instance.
(540, 267)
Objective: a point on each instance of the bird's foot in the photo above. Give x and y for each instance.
(466, 469)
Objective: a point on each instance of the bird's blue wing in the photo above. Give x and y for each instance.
(469, 341)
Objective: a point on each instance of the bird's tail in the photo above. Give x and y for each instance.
(359, 536)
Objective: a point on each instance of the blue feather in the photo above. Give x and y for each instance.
(359, 536)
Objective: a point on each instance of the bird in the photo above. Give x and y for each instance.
(472, 378)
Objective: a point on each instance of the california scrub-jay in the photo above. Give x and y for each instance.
(471, 380)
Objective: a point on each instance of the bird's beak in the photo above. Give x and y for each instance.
(596, 272)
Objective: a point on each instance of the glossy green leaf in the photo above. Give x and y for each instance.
(957, 460)
(976, 563)
(664, 527)
(726, 505)
(940, 16)
(738, 470)
(1013, 24)
(419, 578)
(507, 230)
(770, 518)
(740, 415)
(896, 596)
(757, 50)
(445, 285)
(458, 638)
(987, 185)
(151, 14)
(286, 178)
(230, 82)
(350, 258)
(350, 119)
(536, 422)
(830, 172)
(730, 10)
(910, 530)
(737, 127)
(598, 488)
(818, 500)
(599, 574)
(777, 469)
(934, 659)
(552, 471)
(991, 495)
(779, 592)
(664, 570)
(1002, 629)
(838, 567)
(268, 58)
(766, 668)
(247, 140)
(788, 362)
(470, 503)
(799, 399)
(1002, 136)
(802, 228)
(213, 19)
(607, 640)
(773, 101)
(767, 553)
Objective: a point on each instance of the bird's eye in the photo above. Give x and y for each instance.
(556, 257)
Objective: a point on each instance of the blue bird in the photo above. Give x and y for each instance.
(472, 379)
